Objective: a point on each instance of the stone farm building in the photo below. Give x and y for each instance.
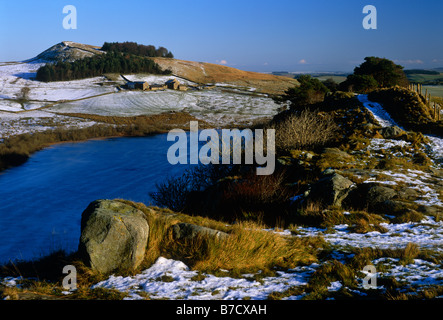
(173, 84)
(142, 85)
(155, 87)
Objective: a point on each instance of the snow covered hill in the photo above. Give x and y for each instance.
(67, 51)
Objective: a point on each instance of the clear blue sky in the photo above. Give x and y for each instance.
(277, 35)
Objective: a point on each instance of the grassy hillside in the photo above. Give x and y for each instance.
(425, 77)
(435, 91)
(203, 72)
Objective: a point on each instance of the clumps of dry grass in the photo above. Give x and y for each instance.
(164, 120)
(304, 130)
(409, 215)
(327, 273)
(316, 215)
(363, 226)
(247, 248)
(335, 158)
(365, 256)
(250, 248)
(348, 273)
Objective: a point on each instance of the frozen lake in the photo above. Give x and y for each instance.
(41, 202)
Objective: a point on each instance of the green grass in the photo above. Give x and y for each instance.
(337, 79)
(435, 91)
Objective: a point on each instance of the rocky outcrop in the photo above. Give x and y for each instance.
(381, 199)
(392, 132)
(114, 236)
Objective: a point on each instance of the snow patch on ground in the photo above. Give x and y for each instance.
(421, 181)
(427, 234)
(182, 285)
(382, 117)
(418, 273)
(385, 120)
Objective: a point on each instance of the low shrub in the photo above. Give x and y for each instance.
(304, 130)
(175, 193)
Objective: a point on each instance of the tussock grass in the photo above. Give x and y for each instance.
(328, 272)
(364, 256)
(248, 248)
(315, 214)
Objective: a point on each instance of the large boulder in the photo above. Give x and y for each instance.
(331, 189)
(392, 132)
(114, 236)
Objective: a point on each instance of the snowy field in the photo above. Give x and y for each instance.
(16, 76)
(213, 106)
(20, 94)
(36, 121)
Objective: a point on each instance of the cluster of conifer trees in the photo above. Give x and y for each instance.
(137, 49)
(110, 62)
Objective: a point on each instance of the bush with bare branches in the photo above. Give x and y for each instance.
(304, 130)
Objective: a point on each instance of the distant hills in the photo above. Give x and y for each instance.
(423, 71)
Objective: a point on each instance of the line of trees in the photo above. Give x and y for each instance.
(110, 62)
(137, 49)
